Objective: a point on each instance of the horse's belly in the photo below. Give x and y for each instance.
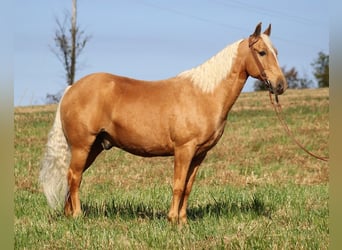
(142, 142)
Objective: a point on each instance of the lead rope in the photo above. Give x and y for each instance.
(277, 107)
(279, 112)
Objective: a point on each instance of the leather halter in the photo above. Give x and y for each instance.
(263, 75)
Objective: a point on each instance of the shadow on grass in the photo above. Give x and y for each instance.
(132, 210)
(255, 207)
(125, 210)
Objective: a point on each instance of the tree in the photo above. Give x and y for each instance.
(321, 70)
(70, 42)
(292, 78)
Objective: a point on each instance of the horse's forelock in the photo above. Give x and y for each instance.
(269, 44)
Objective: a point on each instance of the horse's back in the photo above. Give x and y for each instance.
(128, 110)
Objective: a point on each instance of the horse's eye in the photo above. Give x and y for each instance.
(262, 53)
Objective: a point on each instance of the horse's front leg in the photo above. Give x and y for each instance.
(190, 179)
(183, 158)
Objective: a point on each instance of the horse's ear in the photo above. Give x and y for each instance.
(257, 30)
(268, 30)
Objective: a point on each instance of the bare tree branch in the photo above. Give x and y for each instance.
(69, 42)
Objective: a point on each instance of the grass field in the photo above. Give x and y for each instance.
(255, 190)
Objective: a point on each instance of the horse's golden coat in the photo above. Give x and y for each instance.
(183, 116)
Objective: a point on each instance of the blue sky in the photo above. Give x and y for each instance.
(153, 40)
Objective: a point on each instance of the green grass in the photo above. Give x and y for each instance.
(255, 190)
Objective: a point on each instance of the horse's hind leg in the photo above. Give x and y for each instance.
(81, 159)
(76, 168)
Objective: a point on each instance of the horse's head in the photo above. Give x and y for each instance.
(262, 62)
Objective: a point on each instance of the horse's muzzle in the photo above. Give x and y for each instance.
(278, 89)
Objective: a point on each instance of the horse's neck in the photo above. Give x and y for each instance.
(221, 78)
(230, 88)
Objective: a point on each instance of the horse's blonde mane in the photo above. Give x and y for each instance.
(209, 74)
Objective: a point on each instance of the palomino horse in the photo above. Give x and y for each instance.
(183, 116)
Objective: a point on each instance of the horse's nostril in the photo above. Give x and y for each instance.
(280, 88)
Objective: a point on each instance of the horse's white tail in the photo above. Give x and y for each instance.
(55, 163)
